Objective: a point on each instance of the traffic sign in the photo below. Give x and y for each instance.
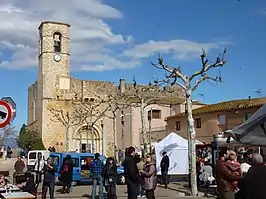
(13, 105)
(5, 114)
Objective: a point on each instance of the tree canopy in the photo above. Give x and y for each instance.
(29, 140)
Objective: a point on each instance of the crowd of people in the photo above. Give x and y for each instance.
(243, 177)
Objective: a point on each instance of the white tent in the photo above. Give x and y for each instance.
(176, 148)
(252, 131)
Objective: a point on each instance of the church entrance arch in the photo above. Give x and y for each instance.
(87, 139)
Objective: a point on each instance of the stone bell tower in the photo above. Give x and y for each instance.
(54, 58)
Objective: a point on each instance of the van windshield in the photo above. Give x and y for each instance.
(32, 155)
(55, 161)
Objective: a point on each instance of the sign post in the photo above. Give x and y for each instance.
(13, 106)
(5, 113)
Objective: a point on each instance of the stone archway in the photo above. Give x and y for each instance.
(87, 139)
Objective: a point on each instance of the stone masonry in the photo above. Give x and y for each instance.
(55, 89)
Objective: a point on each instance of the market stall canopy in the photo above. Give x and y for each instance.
(252, 131)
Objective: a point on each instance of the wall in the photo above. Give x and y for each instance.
(209, 123)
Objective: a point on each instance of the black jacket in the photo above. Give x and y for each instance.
(165, 162)
(131, 171)
(110, 172)
(49, 174)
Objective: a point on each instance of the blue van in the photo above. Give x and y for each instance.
(81, 166)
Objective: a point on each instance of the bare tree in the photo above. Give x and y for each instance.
(145, 95)
(93, 110)
(68, 118)
(177, 77)
(6, 133)
(115, 104)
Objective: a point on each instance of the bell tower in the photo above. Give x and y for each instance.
(54, 58)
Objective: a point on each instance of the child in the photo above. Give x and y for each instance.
(233, 165)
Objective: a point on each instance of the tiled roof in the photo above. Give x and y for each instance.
(228, 106)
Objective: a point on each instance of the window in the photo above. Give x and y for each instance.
(34, 110)
(75, 162)
(32, 155)
(155, 114)
(57, 42)
(85, 162)
(221, 119)
(198, 122)
(178, 127)
(247, 116)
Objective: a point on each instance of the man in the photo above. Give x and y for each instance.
(255, 180)
(165, 162)
(225, 177)
(19, 165)
(96, 169)
(39, 164)
(131, 173)
(48, 179)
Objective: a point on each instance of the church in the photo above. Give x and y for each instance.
(55, 89)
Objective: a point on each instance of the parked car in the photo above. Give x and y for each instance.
(81, 166)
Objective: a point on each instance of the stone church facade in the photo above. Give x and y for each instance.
(56, 89)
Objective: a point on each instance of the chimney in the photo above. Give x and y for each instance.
(122, 86)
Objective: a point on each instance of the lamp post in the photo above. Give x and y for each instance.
(149, 119)
(102, 124)
(122, 129)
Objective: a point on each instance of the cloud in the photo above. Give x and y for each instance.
(181, 49)
(94, 46)
(89, 33)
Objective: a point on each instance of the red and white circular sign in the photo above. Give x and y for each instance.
(5, 114)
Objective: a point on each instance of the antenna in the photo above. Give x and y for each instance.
(202, 96)
(258, 92)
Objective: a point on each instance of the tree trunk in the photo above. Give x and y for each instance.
(143, 127)
(67, 139)
(191, 144)
(114, 135)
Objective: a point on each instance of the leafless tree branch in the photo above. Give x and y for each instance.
(206, 65)
(175, 73)
(202, 79)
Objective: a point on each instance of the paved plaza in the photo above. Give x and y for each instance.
(83, 191)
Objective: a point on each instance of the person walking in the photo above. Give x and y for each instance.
(131, 173)
(150, 177)
(110, 178)
(96, 169)
(165, 163)
(48, 179)
(66, 174)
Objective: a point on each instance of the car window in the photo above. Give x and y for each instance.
(75, 162)
(32, 155)
(55, 160)
(85, 162)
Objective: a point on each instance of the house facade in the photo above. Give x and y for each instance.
(214, 118)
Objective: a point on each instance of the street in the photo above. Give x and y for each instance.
(84, 191)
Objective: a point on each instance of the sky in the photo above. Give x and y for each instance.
(113, 39)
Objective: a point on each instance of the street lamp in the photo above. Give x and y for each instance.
(149, 119)
(102, 124)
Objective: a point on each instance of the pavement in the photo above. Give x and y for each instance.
(175, 190)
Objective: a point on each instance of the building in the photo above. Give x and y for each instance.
(55, 89)
(214, 118)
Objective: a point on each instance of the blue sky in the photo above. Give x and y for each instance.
(178, 29)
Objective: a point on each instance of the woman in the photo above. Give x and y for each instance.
(66, 173)
(49, 179)
(206, 172)
(150, 177)
(110, 178)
